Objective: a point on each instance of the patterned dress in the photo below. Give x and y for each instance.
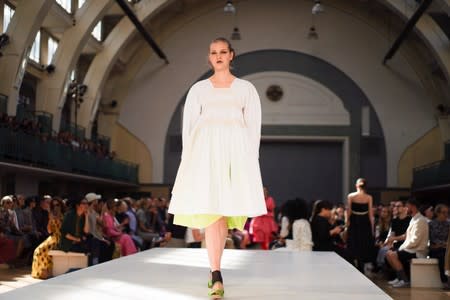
(42, 261)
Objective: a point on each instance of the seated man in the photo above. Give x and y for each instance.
(322, 231)
(414, 246)
(396, 234)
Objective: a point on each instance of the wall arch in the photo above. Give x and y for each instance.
(353, 98)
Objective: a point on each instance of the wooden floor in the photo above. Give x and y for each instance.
(11, 279)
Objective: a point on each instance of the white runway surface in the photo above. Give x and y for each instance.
(173, 274)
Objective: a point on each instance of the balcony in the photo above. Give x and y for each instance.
(22, 148)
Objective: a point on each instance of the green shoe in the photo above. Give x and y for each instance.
(215, 293)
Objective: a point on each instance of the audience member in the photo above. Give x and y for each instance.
(42, 262)
(295, 228)
(415, 245)
(399, 224)
(40, 216)
(145, 230)
(194, 237)
(9, 230)
(75, 227)
(427, 211)
(102, 249)
(264, 228)
(439, 228)
(321, 229)
(132, 223)
(175, 234)
(112, 231)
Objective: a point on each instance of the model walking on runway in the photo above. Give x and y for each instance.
(218, 184)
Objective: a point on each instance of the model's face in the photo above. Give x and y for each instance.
(220, 56)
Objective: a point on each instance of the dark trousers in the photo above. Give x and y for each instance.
(101, 251)
(405, 258)
(440, 255)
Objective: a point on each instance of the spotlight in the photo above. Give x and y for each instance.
(312, 34)
(317, 7)
(236, 35)
(229, 7)
(4, 40)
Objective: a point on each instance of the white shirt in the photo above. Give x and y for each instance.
(301, 235)
(189, 237)
(417, 236)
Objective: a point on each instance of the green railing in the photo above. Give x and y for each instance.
(28, 149)
(104, 140)
(447, 150)
(76, 130)
(22, 113)
(437, 173)
(45, 119)
(3, 103)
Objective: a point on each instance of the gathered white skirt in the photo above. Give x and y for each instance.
(219, 174)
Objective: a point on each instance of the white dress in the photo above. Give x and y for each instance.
(301, 235)
(219, 172)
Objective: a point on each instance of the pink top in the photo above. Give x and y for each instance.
(109, 229)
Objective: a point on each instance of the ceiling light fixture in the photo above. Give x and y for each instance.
(236, 35)
(229, 7)
(312, 33)
(317, 8)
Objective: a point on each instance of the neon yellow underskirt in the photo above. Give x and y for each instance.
(202, 221)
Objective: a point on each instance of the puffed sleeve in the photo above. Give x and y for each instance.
(252, 117)
(191, 113)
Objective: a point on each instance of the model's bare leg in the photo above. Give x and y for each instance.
(215, 237)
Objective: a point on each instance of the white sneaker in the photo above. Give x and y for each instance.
(395, 281)
(401, 284)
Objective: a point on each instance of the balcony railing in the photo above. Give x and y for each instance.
(19, 147)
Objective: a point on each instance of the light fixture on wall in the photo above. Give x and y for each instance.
(312, 33)
(229, 7)
(236, 35)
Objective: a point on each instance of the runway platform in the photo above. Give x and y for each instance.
(173, 274)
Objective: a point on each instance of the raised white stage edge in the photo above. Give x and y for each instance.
(173, 274)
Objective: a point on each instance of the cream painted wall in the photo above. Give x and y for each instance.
(304, 101)
(344, 41)
(427, 149)
(130, 148)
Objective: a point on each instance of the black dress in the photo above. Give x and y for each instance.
(360, 242)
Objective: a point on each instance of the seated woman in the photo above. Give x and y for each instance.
(75, 227)
(111, 231)
(7, 249)
(10, 231)
(42, 261)
(295, 228)
(439, 229)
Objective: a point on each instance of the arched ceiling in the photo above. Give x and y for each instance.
(120, 45)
